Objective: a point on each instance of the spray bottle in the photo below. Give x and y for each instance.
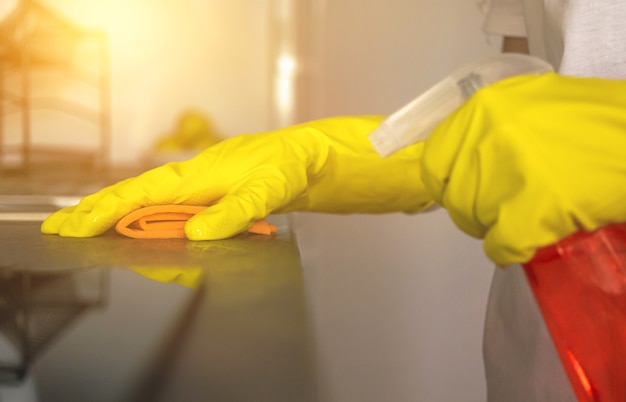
(579, 282)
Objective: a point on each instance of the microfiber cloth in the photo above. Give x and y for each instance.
(168, 222)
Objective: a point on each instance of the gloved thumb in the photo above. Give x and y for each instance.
(235, 212)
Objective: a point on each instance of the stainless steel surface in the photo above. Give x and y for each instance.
(60, 180)
(181, 321)
(32, 207)
(32, 194)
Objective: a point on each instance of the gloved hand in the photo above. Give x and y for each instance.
(327, 166)
(530, 160)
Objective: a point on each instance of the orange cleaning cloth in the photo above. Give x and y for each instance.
(168, 222)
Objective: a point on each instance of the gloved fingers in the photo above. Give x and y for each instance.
(443, 147)
(522, 226)
(449, 168)
(98, 212)
(235, 212)
(88, 223)
(53, 223)
(460, 194)
(540, 214)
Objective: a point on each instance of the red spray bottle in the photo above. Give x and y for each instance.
(580, 287)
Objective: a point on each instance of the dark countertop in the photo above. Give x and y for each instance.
(117, 319)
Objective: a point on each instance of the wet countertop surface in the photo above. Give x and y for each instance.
(117, 319)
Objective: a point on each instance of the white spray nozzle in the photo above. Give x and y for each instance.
(414, 122)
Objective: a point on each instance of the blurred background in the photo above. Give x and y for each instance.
(398, 310)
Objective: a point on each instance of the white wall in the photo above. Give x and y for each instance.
(398, 300)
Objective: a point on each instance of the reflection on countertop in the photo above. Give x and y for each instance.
(36, 307)
(174, 320)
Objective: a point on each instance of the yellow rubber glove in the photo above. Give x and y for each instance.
(530, 160)
(327, 165)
